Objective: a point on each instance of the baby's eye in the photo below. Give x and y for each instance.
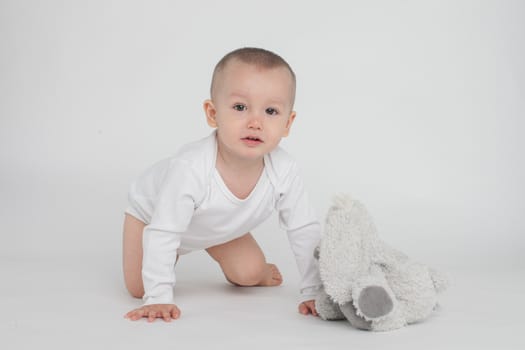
(271, 111)
(239, 107)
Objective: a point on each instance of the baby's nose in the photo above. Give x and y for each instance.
(255, 121)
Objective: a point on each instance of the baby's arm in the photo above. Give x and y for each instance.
(304, 232)
(158, 275)
(158, 265)
(303, 242)
(173, 211)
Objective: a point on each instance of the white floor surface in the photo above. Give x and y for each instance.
(50, 304)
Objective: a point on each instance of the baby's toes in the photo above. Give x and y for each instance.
(276, 274)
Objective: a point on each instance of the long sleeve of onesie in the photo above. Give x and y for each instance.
(304, 232)
(174, 208)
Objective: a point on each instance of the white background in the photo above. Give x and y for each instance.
(415, 107)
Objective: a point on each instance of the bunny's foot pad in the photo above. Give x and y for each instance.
(374, 302)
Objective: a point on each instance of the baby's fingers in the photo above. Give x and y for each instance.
(166, 316)
(135, 314)
(175, 313)
(303, 309)
(308, 307)
(314, 311)
(152, 315)
(165, 311)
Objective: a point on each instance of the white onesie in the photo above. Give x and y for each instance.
(186, 206)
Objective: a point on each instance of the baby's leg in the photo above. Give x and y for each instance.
(132, 255)
(244, 264)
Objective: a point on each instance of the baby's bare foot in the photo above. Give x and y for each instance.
(272, 278)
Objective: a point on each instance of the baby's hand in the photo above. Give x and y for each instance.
(308, 307)
(153, 311)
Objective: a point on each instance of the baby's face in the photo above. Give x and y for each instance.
(251, 108)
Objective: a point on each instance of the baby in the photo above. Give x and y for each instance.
(212, 192)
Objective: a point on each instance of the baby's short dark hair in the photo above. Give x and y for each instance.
(256, 56)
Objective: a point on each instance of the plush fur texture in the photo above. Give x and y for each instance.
(366, 282)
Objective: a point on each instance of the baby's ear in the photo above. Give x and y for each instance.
(211, 112)
(289, 123)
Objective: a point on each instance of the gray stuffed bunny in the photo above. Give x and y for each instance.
(367, 282)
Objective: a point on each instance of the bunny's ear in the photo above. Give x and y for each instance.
(344, 254)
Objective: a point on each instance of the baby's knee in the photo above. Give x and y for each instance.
(136, 291)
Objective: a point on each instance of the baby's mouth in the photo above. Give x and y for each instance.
(252, 138)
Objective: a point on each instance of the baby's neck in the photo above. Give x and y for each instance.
(240, 177)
